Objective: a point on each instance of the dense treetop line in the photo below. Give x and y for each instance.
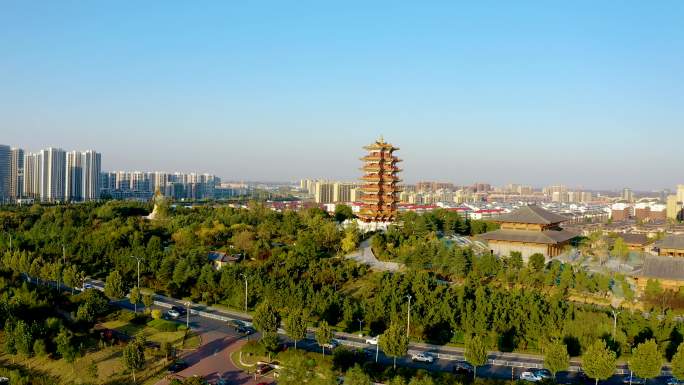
(294, 261)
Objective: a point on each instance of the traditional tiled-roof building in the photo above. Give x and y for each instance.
(529, 230)
(668, 271)
(672, 245)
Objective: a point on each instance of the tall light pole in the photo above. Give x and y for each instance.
(138, 259)
(187, 315)
(360, 322)
(245, 277)
(377, 347)
(615, 314)
(408, 318)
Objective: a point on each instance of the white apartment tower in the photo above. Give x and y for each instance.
(74, 177)
(52, 175)
(32, 173)
(17, 173)
(92, 166)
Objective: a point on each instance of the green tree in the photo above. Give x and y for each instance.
(295, 325)
(646, 360)
(71, 275)
(421, 380)
(166, 349)
(343, 212)
(266, 318)
(356, 376)
(324, 335)
(536, 262)
(515, 261)
(598, 362)
(394, 342)
(351, 238)
(133, 355)
(39, 348)
(620, 248)
(65, 347)
(134, 298)
(677, 363)
(114, 286)
(148, 301)
(475, 352)
(556, 358)
(23, 338)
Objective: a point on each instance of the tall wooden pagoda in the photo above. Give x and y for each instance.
(380, 183)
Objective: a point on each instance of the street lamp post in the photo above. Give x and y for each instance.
(615, 314)
(360, 323)
(187, 315)
(377, 347)
(138, 259)
(245, 277)
(408, 319)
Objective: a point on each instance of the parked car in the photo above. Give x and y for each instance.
(245, 330)
(633, 380)
(422, 357)
(674, 381)
(173, 313)
(463, 368)
(529, 376)
(542, 373)
(181, 310)
(331, 345)
(177, 366)
(263, 368)
(372, 340)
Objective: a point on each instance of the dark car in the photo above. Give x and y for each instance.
(181, 310)
(263, 368)
(245, 330)
(177, 367)
(463, 368)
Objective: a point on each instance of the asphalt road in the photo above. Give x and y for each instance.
(213, 322)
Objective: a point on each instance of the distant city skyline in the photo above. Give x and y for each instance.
(586, 94)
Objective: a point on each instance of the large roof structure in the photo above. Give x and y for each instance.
(671, 242)
(549, 237)
(532, 214)
(671, 268)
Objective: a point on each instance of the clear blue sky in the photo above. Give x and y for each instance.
(587, 93)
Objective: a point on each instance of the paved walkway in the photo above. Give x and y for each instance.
(365, 255)
(212, 360)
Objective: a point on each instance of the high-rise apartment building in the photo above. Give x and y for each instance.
(323, 192)
(52, 177)
(33, 166)
(73, 177)
(5, 173)
(17, 174)
(92, 166)
(342, 192)
(628, 195)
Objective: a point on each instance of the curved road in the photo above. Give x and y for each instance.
(212, 359)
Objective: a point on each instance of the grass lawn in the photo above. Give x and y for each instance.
(107, 360)
(150, 333)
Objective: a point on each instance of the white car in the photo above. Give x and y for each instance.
(173, 313)
(529, 376)
(331, 345)
(422, 357)
(372, 340)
